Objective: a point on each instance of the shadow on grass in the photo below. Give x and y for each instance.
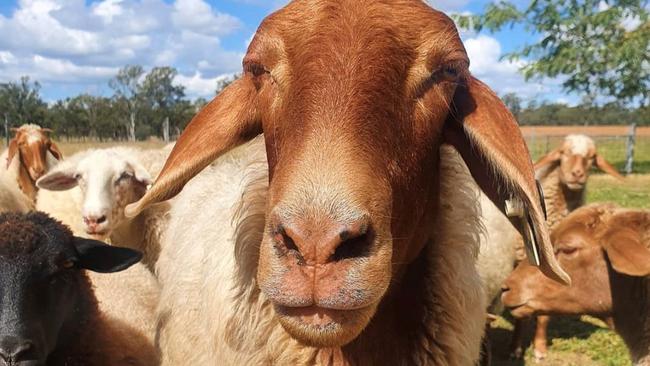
(560, 327)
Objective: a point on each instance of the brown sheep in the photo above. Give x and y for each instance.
(362, 257)
(606, 250)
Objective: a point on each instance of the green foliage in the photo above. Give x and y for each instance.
(596, 46)
(583, 114)
(21, 101)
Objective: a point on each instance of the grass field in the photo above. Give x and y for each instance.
(583, 341)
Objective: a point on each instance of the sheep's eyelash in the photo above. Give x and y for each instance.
(255, 68)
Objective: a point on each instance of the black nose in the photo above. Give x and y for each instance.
(13, 349)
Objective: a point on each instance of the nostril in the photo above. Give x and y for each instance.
(285, 243)
(13, 351)
(353, 245)
(101, 220)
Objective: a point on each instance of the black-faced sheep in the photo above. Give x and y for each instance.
(49, 313)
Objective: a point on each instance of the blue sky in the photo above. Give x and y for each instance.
(76, 46)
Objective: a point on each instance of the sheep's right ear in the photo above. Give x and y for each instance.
(229, 120)
(487, 137)
(99, 257)
(61, 178)
(553, 157)
(12, 152)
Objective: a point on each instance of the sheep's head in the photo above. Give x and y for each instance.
(31, 144)
(354, 99)
(575, 157)
(44, 293)
(596, 245)
(109, 180)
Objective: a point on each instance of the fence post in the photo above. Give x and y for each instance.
(629, 161)
(132, 127)
(166, 129)
(6, 130)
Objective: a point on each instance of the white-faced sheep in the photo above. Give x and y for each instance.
(50, 313)
(99, 184)
(356, 254)
(30, 154)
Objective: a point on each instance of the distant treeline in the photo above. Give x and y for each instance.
(143, 101)
(138, 109)
(586, 113)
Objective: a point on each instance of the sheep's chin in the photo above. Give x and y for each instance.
(575, 186)
(319, 327)
(99, 235)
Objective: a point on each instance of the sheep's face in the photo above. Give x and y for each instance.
(31, 145)
(43, 293)
(575, 157)
(597, 248)
(108, 180)
(578, 156)
(354, 99)
(352, 173)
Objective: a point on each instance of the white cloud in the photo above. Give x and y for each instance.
(502, 75)
(198, 85)
(86, 42)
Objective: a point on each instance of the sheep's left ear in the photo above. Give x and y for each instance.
(54, 149)
(487, 136)
(605, 166)
(141, 174)
(627, 253)
(97, 256)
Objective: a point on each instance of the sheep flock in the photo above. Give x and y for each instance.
(313, 216)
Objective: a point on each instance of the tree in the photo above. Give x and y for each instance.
(126, 85)
(596, 46)
(21, 102)
(513, 102)
(161, 94)
(223, 82)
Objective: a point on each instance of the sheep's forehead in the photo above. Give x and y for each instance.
(31, 133)
(580, 145)
(317, 35)
(103, 163)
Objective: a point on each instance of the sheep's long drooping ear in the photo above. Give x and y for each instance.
(605, 166)
(54, 150)
(99, 257)
(552, 157)
(12, 152)
(488, 138)
(627, 252)
(61, 178)
(227, 121)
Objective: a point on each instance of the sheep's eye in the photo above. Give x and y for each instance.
(450, 72)
(256, 69)
(67, 264)
(567, 250)
(124, 176)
